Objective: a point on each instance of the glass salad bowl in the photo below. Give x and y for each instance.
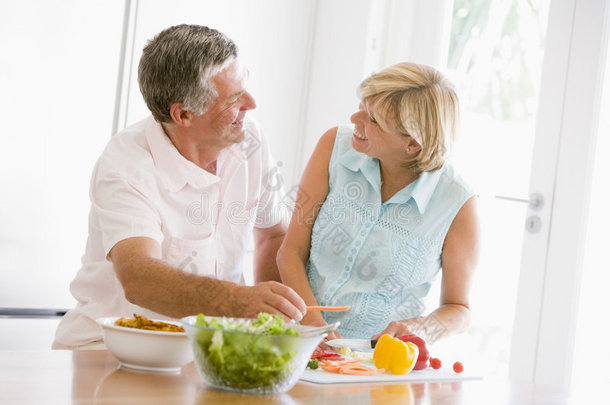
(263, 356)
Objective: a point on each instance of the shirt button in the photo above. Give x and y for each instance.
(363, 232)
(346, 268)
(357, 244)
(354, 250)
(349, 259)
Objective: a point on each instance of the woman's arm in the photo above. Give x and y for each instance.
(294, 252)
(459, 259)
(267, 242)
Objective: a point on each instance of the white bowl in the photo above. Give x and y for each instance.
(146, 349)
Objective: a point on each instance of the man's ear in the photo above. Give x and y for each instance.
(180, 116)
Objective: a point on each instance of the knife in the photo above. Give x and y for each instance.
(353, 343)
(359, 343)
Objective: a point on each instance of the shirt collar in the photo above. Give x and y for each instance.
(368, 166)
(173, 168)
(420, 190)
(423, 188)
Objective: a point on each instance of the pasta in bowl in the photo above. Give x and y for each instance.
(149, 345)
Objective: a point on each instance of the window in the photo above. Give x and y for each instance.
(495, 59)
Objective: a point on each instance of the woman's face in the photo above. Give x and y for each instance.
(373, 141)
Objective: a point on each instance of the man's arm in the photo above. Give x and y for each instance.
(267, 241)
(151, 283)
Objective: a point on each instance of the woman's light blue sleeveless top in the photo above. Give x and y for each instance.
(379, 258)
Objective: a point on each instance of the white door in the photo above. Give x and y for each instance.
(562, 169)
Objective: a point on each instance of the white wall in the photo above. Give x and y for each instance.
(273, 37)
(418, 31)
(58, 64)
(337, 66)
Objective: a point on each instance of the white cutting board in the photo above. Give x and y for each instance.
(443, 374)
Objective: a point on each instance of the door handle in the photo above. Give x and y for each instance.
(533, 223)
(535, 202)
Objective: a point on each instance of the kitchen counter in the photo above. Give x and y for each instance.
(94, 377)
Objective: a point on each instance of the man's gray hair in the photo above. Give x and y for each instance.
(177, 66)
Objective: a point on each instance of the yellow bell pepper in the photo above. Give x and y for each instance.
(395, 355)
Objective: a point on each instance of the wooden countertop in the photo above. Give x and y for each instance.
(94, 377)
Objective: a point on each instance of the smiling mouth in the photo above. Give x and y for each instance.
(359, 135)
(238, 122)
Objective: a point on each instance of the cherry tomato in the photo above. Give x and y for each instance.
(435, 363)
(458, 367)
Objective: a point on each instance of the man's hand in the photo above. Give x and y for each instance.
(270, 296)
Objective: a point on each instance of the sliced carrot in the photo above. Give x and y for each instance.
(323, 308)
(342, 361)
(335, 365)
(349, 367)
(358, 369)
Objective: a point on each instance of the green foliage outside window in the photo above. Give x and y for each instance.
(497, 47)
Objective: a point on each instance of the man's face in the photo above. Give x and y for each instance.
(223, 122)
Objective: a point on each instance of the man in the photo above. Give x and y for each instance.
(176, 197)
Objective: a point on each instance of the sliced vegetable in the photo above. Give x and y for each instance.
(345, 351)
(326, 354)
(349, 367)
(365, 356)
(394, 355)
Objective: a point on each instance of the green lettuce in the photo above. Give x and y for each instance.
(256, 360)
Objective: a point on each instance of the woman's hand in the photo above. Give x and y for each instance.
(402, 328)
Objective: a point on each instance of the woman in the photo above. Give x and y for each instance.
(380, 212)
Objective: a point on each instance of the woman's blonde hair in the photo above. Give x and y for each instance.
(415, 100)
